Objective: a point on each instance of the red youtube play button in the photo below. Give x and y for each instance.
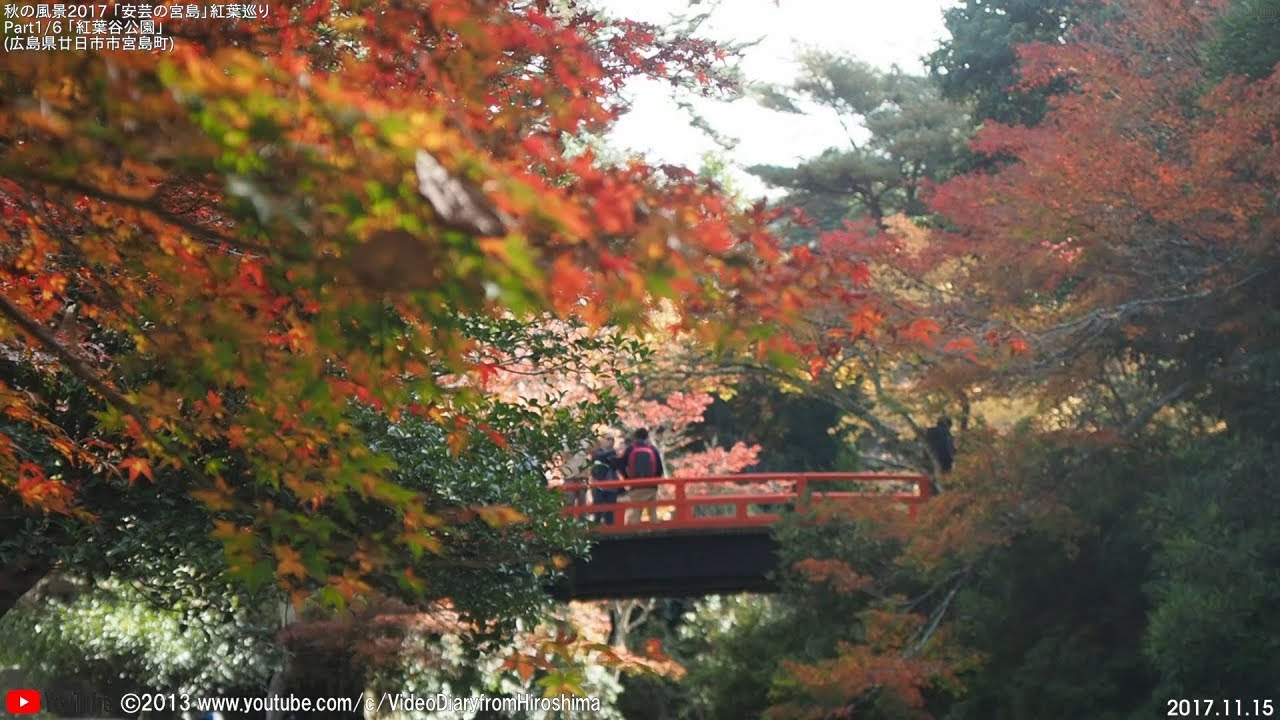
(22, 702)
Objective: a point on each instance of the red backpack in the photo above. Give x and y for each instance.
(642, 462)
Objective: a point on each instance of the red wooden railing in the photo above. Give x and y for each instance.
(685, 503)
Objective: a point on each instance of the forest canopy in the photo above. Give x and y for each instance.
(304, 315)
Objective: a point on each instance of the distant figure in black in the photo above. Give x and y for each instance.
(941, 444)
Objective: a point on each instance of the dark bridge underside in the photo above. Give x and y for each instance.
(673, 564)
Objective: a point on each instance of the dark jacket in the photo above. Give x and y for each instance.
(602, 465)
(942, 445)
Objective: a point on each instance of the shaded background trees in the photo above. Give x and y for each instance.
(1103, 533)
(1090, 286)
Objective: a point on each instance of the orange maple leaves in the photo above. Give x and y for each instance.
(838, 574)
(137, 467)
(219, 226)
(36, 490)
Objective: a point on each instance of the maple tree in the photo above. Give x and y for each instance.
(670, 421)
(862, 214)
(283, 284)
(228, 251)
(1114, 263)
(1159, 229)
(866, 361)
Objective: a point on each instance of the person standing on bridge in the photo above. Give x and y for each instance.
(569, 471)
(603, 459)
(941, 445)
(641, 460)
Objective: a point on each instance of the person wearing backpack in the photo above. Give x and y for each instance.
(641, 460)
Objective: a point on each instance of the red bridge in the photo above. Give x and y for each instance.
(705, 535)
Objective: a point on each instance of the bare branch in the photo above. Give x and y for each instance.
(931, 627)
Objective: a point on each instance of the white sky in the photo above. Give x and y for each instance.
(882, 32)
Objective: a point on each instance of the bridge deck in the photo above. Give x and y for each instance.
(711, 534)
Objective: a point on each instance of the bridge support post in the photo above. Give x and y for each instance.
(683, 510)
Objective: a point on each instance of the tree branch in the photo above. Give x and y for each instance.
(931, 627)
(1118, 312)
(70, 359)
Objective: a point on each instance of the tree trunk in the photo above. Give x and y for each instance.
(624, 619)
(277, 685)
(280, 677)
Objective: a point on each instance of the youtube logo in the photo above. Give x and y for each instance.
(22, 702)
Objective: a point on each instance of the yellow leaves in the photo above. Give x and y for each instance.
(494, 247)
(422, 541)
(136, 467)
(66, 448)
(51, 123)
(417, 519)
(289, 562)
(457, 440)
(562, 683)
(347, 24)
(656, 250)
(350, 585)
(427, 132)
(500, 515)
(216, 498)
(227, 530)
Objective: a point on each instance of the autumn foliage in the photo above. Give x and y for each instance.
(1143, 225)
(282, 219)
(1112, 266)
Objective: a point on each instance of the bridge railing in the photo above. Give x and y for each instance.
(727, 501)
